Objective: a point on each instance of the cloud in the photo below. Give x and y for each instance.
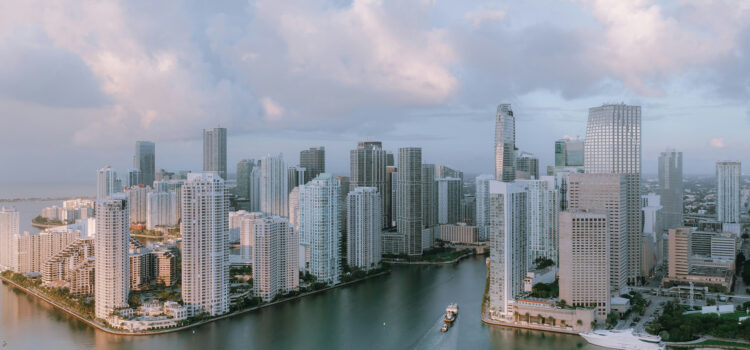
(485, 15)
(716, 142)
(271, 109)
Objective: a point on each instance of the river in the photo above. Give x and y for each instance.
(401, 310)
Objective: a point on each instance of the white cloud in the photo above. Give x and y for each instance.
(272, 110)
(716, 142)
(485, 15)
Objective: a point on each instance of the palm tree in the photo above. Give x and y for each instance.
(528, 318)
(516, 316)
(540, 318)
(580, 323)
(551, 320)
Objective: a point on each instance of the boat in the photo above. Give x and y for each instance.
(451, 312)
(444, 328)
(622, 339)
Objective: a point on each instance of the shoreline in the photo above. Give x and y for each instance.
(103, 328)
(529, 327)
(454, 261)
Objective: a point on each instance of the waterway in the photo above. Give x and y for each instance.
(401, 310)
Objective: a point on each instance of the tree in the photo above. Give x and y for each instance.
(551, 320)
(528, 318)
(540, 318)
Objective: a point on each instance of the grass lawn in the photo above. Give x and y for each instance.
(722, 343)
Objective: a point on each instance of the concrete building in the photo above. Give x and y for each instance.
(240, 230)
(409, 198)
(255, 189)
(680, 252)
(584, 260)
(671, 188)
(482, 184)
(244, 178)
(135, 177)
(430, 197)
(319, 227)
(273, 186)
(166, 267)
(613, 146)
(542, 238)
(606, 191)
(161, 210)
(8, 228)
(389, 196)
(205, 244)
(145, 161)
(138, 202)
(72, 268)
(314, 162)
(107, 183)
(459, 233)
(364, 221)
(215, 151)
(275, 256)
(507, 231)
(29, 251)
(728, 192)
(569, 153)
(294, 207)
(367, 168)
(527, 166)
(295, 176)
(111, 245)
(505, 144)
(142, 268)
(448, 200)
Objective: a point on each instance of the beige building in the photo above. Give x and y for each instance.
(685, 267)
(459, 233)
(166, 267)
(545, 315)
(584, 260)
(608, 192)
(72, 267)
(680, 251)
(29, 251)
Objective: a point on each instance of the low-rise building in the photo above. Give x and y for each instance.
(459, 233)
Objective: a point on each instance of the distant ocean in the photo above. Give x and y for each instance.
(29, 209)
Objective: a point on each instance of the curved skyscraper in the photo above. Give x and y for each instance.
(505, 144)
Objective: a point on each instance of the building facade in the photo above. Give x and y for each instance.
(364, 219)
(215, 151)
(482, 183)
(314, 162)
(319, 227)
(728, 191)
(671, 188)
(145, 161)
(543, 230)
(273, 186)
(448, 200)
(367, 168)
(275, 256)
(111, 246)
(409, 198)
(505, 144)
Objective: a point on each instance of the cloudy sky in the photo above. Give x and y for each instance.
(80, 81)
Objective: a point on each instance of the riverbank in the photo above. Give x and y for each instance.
(491, 322)
(711, 342)
(453, 261)
(104, 328)
(43, 226)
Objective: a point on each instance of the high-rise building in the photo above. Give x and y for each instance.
(409, 198)
(507, 231)
(295, 176)
(527, 166)
(138, 202)
(319, 227)
(343, 182)
(244, 178)
(505, 144)
(542, 238)
(429, 196)
(569, 153)
(388, 196)
(449, 200)
(205, 244)
(275, 256)
(670, 188)
(613, 146)
(584, 260)
(482, 183)
(240, 230)
(364, 220)
(273, 186)
(215, 151)
(106, 183)
(728, 191)
(367, 168)
(255, 181)
(161, 209)
(135, 177)
(8, 228)
(145, 161)
(608, 192)
(680, 251)
(314, 162)
(111, 245)
(294, 207)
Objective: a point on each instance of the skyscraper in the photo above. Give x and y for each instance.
(135, 177)
(389, 195)
(429, 196)
(608, 192)
(161, 209)
(273, 186)
(542, 238)
(449, 200)
(111, 244)
(138, 203)
(409, 198)
(205, 244)
(319, 227)
(613, 146)
(482, 183)
(8, 228)
(569, 153)
(364, 219)
(215, 151)
(728, 198)
(244, 177)
(314, 162)
(275, 256)
(505, 144)
(584, 260)
(106, 183)
(367, 168)
(527, 166)
(255, 181)
(670, 188)
(507, 231)
(295, 176)
(145, 161)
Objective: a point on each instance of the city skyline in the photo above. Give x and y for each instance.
(435, 93)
